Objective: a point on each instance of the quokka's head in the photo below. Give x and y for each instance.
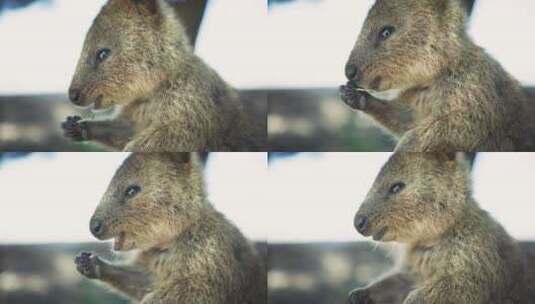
(152, 198)
(129, 50)
(415, 197)
(405, 43)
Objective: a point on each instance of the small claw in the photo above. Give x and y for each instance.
(74, 128)
(86, 265)
(352, 97)
(359, 296)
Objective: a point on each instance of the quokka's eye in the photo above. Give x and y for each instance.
(103, 54)
(386, 32)
(132, 191)
(396, 188)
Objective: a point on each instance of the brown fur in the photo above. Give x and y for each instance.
(165, 98)
(454, 96)
(455, 251)
(188, 252)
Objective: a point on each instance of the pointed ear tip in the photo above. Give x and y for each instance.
(146, 6)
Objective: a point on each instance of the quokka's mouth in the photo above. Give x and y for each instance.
(100, 110)
(360, 89)
(97, 107)
(118, 242)
(379, 235)
(387, 95)
(354, 86)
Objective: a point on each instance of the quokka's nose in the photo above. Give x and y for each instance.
(74, 95)
(353, 72)
(362, 224)
(97, 227)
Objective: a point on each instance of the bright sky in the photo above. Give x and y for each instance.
(311, 197)
(302, 44)
(233, 42)
(40, 45)
(314, 38)
(50, 197)
(314, 197)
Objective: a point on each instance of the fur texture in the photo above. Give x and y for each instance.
(137, 59)
(452, 95)
(455, 251)
(187, 251)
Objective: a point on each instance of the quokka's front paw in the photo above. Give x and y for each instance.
(88, 265)
(74, 128)
(359, 296)
(357, 100)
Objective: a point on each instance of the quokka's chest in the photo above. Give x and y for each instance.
(140, 114)
(160, 265)
(422, 103)
(424, 263)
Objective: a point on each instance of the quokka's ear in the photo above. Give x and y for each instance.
(154, 7)
(146, 7)
(180, 157)
(166, 9)
(455, 11)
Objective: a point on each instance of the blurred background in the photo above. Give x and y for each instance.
(293, 51)
(315, 254)
(314, 39)
(42, 40)
(48, 198)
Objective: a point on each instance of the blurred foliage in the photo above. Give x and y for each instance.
(324, 273)
(315, 273)
(317, 120)
(32, 123)
(46, 274)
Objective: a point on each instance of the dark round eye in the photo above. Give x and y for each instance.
(132, 190)
(386, 32)
(103, 55)
(396, 188)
